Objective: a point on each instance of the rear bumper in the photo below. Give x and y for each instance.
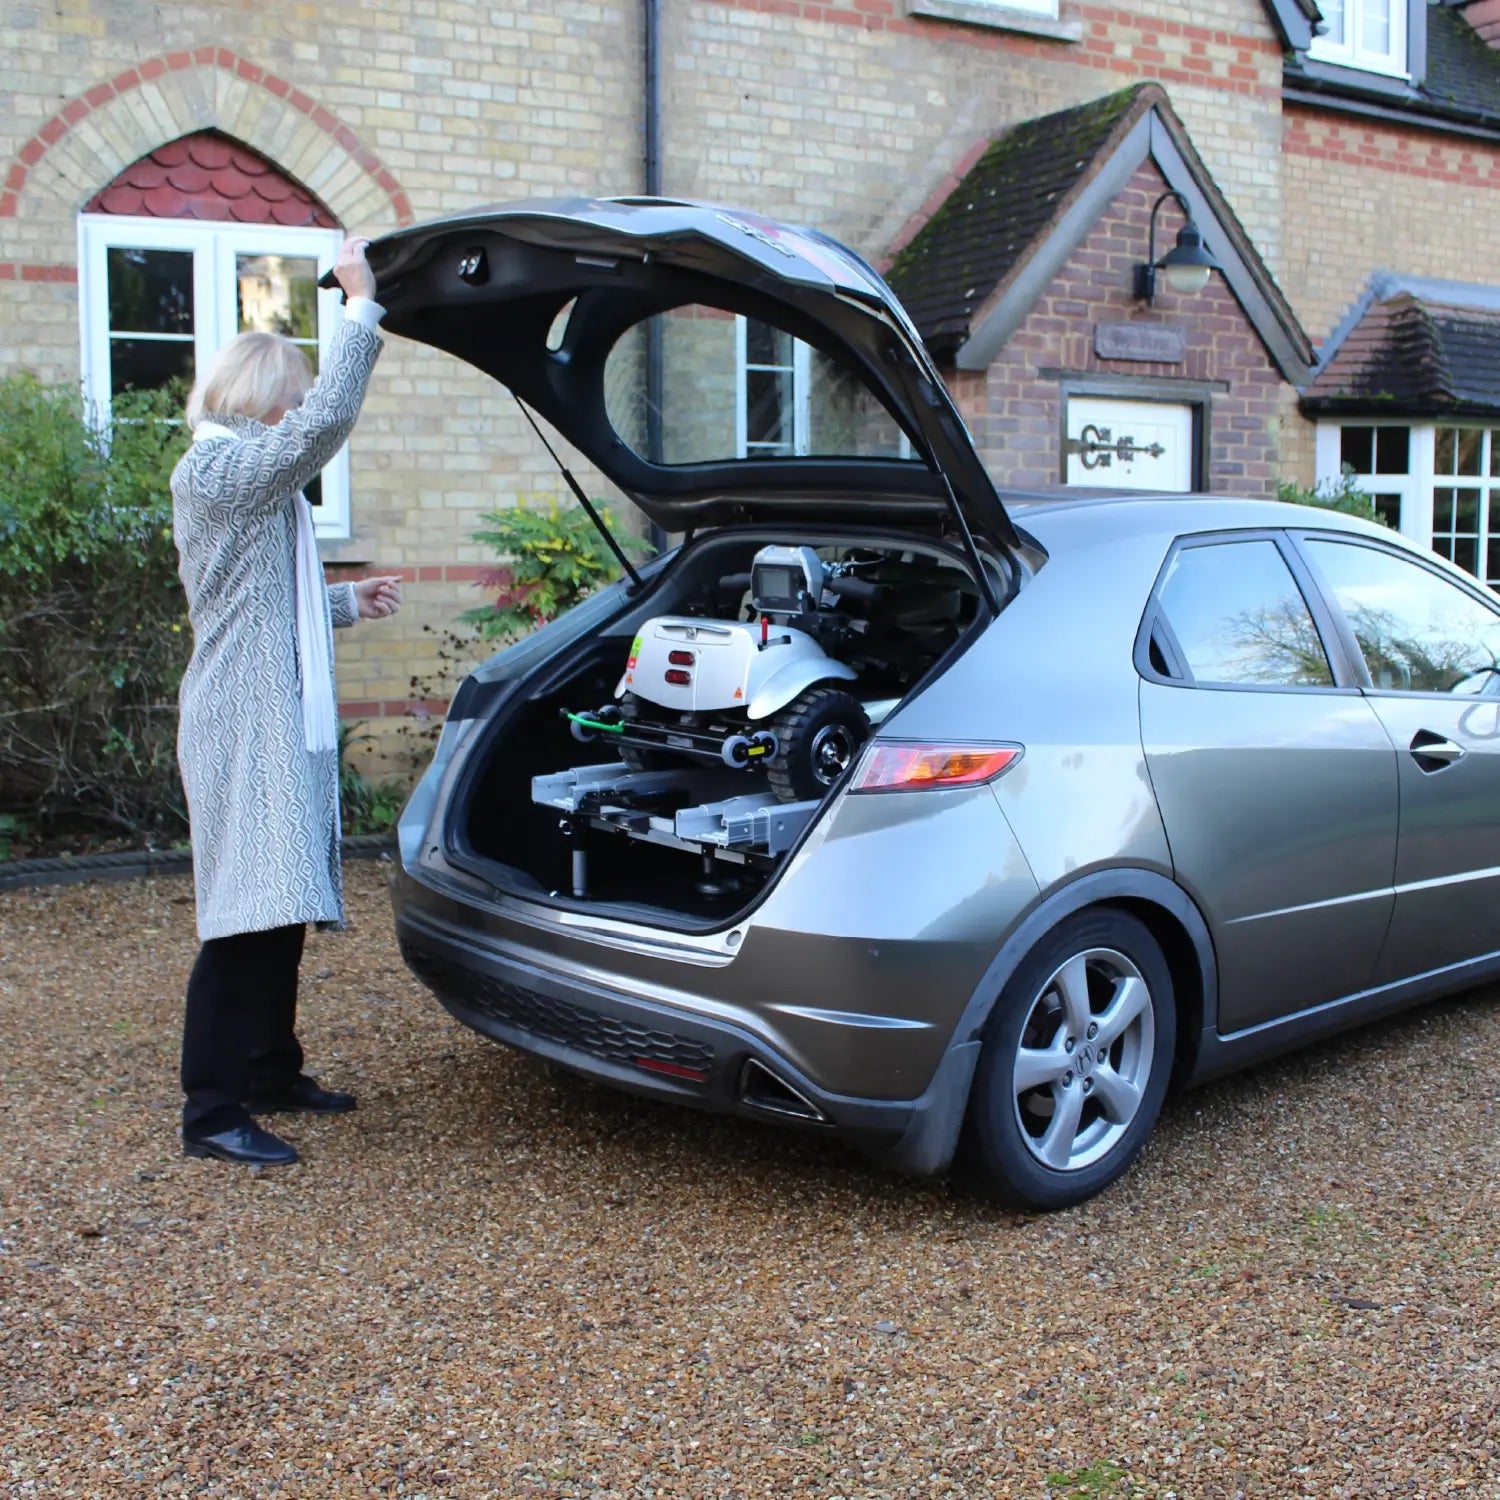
(703, 1061)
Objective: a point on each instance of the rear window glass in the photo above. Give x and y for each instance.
(738, 388)
(1240, 620)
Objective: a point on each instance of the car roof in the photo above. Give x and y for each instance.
(1053, 513)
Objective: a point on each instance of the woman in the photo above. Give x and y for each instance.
(258, 735)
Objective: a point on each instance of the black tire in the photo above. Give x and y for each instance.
(817, 737)
(1010, 1148)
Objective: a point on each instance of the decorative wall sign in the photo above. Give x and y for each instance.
(1155, 343)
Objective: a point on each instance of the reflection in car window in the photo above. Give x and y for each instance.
(1418, 632)
(739, 388)
(1240, 618)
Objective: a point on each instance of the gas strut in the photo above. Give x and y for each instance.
(583, 500)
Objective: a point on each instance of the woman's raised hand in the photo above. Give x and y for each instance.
(353, 270)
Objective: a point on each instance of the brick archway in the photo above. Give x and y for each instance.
(102, 131)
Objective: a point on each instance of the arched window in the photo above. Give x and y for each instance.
(201, 240)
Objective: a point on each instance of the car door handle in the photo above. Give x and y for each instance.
(1433, 753)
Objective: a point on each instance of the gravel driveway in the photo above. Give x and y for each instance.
(495, 1281)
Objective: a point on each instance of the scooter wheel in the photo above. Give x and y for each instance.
(819, 734)
(736, 752)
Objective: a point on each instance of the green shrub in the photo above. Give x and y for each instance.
(551, 558)
(365, 806)
(1332, 494)
(93, 624)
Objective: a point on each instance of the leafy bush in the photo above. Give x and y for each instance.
(1332, 494)
(365, 806)
(552, 557)
(93, 623)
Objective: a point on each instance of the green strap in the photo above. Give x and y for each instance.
(589, 722)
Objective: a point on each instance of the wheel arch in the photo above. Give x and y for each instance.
(1151, 897)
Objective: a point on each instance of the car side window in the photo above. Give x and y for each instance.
(1418, 632)
(1238, 618)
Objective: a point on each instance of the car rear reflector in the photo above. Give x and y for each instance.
(672, 1070)
(681, 658)
(678, 677)
(911, 768)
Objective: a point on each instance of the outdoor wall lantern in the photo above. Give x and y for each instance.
(1187, 264)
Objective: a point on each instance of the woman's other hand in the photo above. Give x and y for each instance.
(375, 598)
(353, 270)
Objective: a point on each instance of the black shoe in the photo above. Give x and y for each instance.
(243, 1143)
(301, 1097)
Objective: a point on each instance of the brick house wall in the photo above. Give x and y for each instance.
(1014, 410)
(850, 114)
(1362, 195)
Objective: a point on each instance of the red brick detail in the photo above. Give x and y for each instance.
(1409, 151)
(1114, 40)
(11, 270)
(423, 573)
(1016, 414)
(395, 708)
(100, 94)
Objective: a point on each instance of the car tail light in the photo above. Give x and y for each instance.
(678, 677)
(911, 768)
(681, 658)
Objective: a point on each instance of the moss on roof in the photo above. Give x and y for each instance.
(1010, 195)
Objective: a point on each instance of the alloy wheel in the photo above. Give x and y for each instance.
(1084, 1060)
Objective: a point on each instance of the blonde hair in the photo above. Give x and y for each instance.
(253, 375)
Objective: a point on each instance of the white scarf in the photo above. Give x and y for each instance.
(314, 665)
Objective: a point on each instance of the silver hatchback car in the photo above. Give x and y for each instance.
(952, 825)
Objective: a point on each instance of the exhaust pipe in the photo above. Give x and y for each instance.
(762, 1089)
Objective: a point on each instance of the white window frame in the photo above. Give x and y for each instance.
(801, 372)
(1046, 8)
(801, 368)
(1350, 53)
(1414, 487)
(214, 246)
(1421, 479)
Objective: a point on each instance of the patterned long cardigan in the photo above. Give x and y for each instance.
(263, 809)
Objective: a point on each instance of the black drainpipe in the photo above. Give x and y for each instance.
(655, 375)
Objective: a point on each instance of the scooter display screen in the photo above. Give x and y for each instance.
(777, 589)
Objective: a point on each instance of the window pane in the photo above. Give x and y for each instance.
(1392, 450)
(278, 294)
(1333, 14)
(1445, 450)
(1240, 617)
(768, 408)
(1417, 631)
(148, 364)
(150, 291)
(1495, 450)
(1376, 30)
(1470, 444)
(1492, 572)
(1388, 509)
(1357, 449)
(765, 345)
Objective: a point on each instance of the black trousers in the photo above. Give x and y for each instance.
(239, 1038)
